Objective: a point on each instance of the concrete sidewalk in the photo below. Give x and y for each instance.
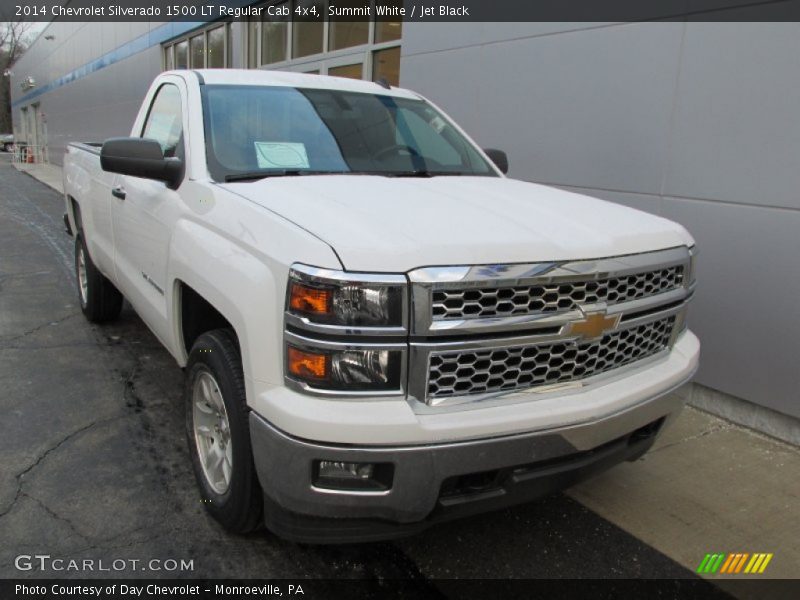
(50, 175)
(708, 486)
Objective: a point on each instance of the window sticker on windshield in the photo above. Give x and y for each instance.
(281, 155)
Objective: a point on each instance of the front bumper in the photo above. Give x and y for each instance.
(437, 482)
(394, 421)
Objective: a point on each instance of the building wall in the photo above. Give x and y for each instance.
(90, 79)
(696, 122)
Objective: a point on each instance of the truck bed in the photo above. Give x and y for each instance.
(93, 147)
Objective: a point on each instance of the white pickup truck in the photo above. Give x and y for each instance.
(379, 329)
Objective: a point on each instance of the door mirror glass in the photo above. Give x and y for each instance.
(140, 157)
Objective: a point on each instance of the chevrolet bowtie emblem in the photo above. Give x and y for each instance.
(593, 325)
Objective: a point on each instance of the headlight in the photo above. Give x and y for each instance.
(337, 298)
(332, 318)
(343, 370)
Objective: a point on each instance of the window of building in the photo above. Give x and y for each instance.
(169, 58)
(274, 37)
(345, 34)
(386, 65)
(181, 54)
(215, 55)
(350, 29)
(308, 30)
(351, 71)
(23, 130)
(387, 31)
(253, 29)
(346, 44)
(208, 48)
(197, 51)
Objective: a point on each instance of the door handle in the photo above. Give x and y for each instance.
(118, 192)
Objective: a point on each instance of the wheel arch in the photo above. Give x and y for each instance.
(74, 215)
(196, 316)
(226, 286)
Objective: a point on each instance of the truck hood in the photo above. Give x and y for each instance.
(395, 224)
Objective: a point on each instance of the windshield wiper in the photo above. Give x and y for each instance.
(421, 173)
(254, 175)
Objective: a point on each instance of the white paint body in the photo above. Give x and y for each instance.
(234, 244)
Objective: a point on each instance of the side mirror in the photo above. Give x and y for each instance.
(140, 157)
(498, 157)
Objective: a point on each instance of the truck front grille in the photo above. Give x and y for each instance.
(486, 302)
(510, 368)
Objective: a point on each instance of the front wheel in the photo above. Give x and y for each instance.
(218, 431)
(100, 300)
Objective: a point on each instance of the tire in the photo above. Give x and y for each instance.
(100, 301)
(8, 147)
(218, 432)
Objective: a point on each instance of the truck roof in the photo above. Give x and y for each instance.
(299, 80)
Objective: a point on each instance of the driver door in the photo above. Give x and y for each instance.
(144, 213)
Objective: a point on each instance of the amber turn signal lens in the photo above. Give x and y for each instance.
(307, 365)
(310, 300)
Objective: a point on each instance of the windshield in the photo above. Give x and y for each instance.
(260, 131)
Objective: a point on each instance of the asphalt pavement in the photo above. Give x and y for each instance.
(95, 463)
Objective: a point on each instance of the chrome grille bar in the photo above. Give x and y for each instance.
(547, 292)
(515, 367)
(478, 303)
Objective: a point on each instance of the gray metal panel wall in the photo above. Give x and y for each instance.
(696, 122)
(99, 105)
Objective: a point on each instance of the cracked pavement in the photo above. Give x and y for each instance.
(95, 463)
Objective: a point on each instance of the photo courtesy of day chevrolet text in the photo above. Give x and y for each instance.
(122, 590)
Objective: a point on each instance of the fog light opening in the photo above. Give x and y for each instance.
(352, 476)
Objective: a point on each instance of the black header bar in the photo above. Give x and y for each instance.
(416, 11)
